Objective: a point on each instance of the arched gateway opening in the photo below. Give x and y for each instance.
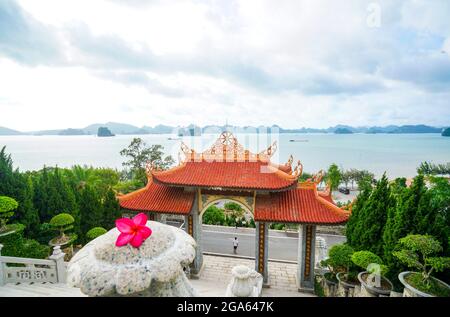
(227, 171)
(223, 218)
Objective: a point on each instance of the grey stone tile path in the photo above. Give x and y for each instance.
(217, 269)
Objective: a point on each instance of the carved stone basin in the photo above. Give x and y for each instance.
(154, 269)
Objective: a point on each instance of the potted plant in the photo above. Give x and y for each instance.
(340, 268)
(62, 223)
(330, 275)
(372, 279)
(417, 253)
(7, 207)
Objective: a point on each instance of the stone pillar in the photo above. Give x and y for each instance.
(193, 226)
(2, 273)
(261, 253)
(306, 257)
(58, 257)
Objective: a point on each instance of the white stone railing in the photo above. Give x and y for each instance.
(27, 270)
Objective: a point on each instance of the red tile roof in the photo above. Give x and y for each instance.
(159, 198)
(300, 205)
(236, 174)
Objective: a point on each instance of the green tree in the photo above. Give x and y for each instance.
(62, 223)
(428, 168)
(354, 224)
(334, 176)
(91, 210)
(16, 185)
(214, 216)
(30, 218)
(372, 219)
(7, 207)
(339, 259)
(16, 245)
(346, 177)
(8, 182)
(139, 154)
(403, 220)
(111, 209)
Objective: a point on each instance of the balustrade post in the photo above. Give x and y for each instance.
(2, 273)
(58, 257)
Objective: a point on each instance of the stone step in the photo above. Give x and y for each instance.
(53, 289)
(6, 291)
(60, 289)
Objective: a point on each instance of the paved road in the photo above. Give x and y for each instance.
(280, 246)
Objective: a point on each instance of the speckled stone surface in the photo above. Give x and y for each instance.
(154, 269)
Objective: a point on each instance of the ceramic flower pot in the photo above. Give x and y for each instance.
(385, 286)
(349, 288)
(411, 291)
(330, 286)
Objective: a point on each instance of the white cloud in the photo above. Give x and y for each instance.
(292, 63)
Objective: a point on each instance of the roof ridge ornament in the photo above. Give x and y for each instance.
(317, 178)
(298, 170)
(327, 191)
(270, 151)
(290, 160)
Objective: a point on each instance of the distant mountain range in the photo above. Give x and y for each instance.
(122, 128)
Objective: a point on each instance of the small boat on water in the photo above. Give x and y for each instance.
(173, 139)
(292, 140)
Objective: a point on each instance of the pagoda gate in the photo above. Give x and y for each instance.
(227, 171)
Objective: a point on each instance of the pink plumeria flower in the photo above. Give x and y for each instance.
(133, 231)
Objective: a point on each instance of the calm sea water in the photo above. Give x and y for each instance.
(397, 154)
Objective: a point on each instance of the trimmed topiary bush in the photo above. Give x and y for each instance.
(339, 260)
(417, 253)
(7, 207)
(95, 233)
(62, 223)
(364, 259)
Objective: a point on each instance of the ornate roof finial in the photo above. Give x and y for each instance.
(270, 150)
(290, 160)
(317, 178)
(298, 170)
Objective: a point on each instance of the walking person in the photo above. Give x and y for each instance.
(235, 245)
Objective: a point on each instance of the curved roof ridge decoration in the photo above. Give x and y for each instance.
(329, 203)
(227, 148)
(326, 192)
(158, 198)
(248, 170)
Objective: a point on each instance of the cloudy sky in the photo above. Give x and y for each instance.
(293, 63)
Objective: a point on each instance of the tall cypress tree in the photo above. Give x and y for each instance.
(411, 214)
(372, 219)
(111, 209)
(18, 186)
(411, 203)
(91, 210)
(7, 179)
(354, 224)
(31, 216)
